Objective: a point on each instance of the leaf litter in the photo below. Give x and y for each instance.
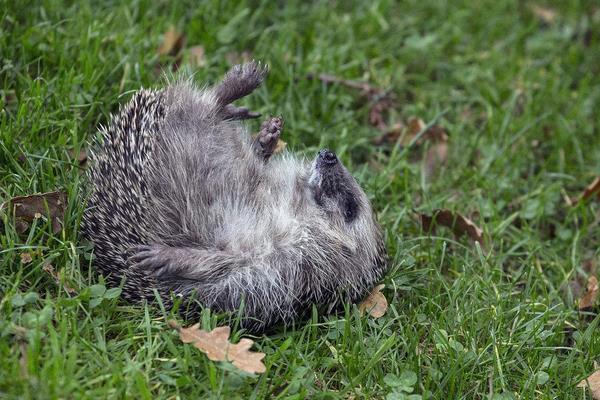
(375, 303)
(459, 224)
(26, 209)
(217, 347)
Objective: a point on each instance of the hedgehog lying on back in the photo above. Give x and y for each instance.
(183, 202)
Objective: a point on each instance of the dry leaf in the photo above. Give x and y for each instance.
(593, 382)
(27, 208)
(436, 155)
(546, 14)
(81, 156)
(215, 344)
(197, 56)
(25, 258)
(172, 42)
(49, 269)
(459, 224)
(579, 282)
(591, 295)
(381, 100)
(391, 135)
(172, 45)
(375, 304)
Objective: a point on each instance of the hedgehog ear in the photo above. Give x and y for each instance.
(240, 81)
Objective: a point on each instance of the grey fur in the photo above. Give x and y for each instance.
(184, 202)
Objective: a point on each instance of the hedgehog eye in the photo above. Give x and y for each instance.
(350, 209)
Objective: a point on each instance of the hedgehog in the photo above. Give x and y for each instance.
(184, 206)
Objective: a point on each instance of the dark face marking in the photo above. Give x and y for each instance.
(337, 185)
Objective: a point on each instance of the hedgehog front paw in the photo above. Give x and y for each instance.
(152, 259)
(266, 140)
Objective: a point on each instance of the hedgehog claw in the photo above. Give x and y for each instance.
(148, 257)
(265, 142)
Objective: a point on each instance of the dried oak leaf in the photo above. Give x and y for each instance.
(215, 344)
(591, 295)
(27, 208)
(593, 382)
(375, 304)
(459, 224)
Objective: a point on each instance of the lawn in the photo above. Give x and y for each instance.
(514, 85)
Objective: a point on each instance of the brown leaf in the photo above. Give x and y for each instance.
(197, 56)
(215, 344)
(172, 42)
(27, 208)
(25, 258)
(375, 304)
(381, 100)
(436, 155)
(459, 224)
(49, 269)
(546, 14)
(81, 156)
(591, 295)
(579, 282)
(593, 382)
(391, 135)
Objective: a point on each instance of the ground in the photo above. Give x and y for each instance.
(516, 87)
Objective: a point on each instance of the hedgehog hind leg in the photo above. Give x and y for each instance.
(240, 81)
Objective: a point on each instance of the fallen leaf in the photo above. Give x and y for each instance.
(382, 101)
(197, 56)
(436, 155)
(172, 44)
(593, 383)
(381, 105)
(49, 269)
(579, 282)
(391, 135)
(375, 304)
(459, 224)
(27, 208)
(25, 258)
(546, 14)
(81, 156)
(215, 344)
(591, 295)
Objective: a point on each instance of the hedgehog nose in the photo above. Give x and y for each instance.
(327, 157)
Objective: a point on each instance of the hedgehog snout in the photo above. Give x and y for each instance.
(326, 158)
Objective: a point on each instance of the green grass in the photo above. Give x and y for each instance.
(519, 99)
